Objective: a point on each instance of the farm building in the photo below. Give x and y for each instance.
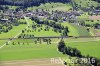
(97, 26)
(4, 20)
(97, 11)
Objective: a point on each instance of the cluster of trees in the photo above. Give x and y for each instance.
(5, 27)
(35, 40)
(68, 50)
(28, 2)
(57, 27)
(4, 7)
(74, 52)
(40, 40)
(25, 35)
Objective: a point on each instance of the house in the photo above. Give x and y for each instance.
(4, 20)
(97, 26)
(97, 11)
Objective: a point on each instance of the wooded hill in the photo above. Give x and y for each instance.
(97, 0)
(29, 2)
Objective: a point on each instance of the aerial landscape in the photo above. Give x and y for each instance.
(49, 32)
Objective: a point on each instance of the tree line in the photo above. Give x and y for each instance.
(29, 2)
(97, 0)
(74, 52)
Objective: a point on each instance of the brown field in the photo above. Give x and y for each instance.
(94, 17)
(97, 34)
(36, 62)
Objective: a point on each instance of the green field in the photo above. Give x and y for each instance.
(87, 48)
(92, 23)
(42, 32)
(86, 3)
(75, 30)
(52, 6)
(13, 32)
(31, 51)
(24, 49)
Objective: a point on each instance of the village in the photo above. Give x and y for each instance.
(10, 18)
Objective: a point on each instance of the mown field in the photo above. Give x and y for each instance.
(75, 30)
(31, 51)
(86, 46)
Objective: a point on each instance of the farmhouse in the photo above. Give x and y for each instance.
(97, 11)
(4, 20)
(97, 26)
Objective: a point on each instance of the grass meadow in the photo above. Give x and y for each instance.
(31, 51)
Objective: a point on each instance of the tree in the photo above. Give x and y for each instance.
(65, 32)
(49, 41)
(13, 43)
(7, 43)
(19, 43)
(61, 46)
(35, 41)
(23, 31)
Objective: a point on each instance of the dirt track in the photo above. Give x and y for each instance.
(36, 62)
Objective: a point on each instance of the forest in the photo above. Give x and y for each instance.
(28, 3)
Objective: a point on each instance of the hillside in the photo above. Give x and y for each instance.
(97, 0)
(29, 2)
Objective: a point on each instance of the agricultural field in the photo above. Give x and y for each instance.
(34, 35)
(53, 6)
(31, 51)
(75, 30)
(85, 47)
(86, 3)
